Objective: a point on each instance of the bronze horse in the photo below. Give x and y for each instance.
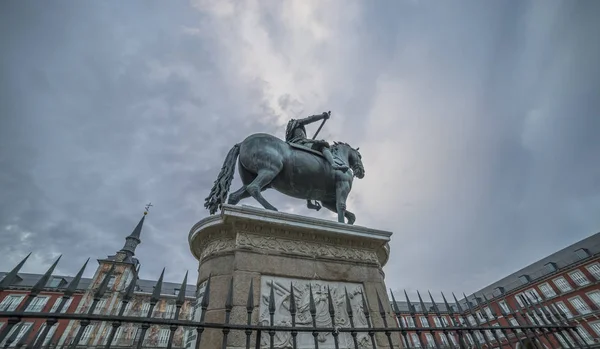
(266, 161)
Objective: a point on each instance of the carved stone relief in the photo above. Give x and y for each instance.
(282, 317)
(245, 240)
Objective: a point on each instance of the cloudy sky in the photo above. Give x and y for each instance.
(477, 121)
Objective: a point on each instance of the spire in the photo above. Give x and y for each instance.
(133, 239)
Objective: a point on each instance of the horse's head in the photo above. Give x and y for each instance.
(353, 156)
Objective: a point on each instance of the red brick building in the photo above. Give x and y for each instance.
(564, 286)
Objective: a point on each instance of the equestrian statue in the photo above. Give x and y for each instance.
(299, 167)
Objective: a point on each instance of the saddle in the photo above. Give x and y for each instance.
(305, 148)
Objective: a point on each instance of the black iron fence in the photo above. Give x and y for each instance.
(386, 327)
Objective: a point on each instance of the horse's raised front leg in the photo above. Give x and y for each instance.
(331, 205)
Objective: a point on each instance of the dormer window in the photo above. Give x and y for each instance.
(498, 291)
(524, 279)
(55, 282)
(176, 292)
(551, 267)
(582, 253)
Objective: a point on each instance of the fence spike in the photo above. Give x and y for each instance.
(348, 305)
(229, 301)
(41, 283)
(448, 307)
(423, 308)
(250, 301)
(104, 284)
(330, 305)
(380, 305)
(130, 288)
(206, 297)
(11, 277)
(293, 314)
(228, 307)
(24, 337)
(182, 289)
(411, 309)
(272, 298)
(311, 301)
(157, 289)
(353, 332)
(75, 282)
(395, 304)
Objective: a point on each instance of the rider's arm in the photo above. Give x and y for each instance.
(311, 119)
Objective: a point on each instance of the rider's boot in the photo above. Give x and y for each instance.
(329, 157)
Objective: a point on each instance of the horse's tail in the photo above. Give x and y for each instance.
(218, 193)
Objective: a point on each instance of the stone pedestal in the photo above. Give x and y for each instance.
(279, 250)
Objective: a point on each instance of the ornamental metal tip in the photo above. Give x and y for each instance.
(75, 282)
(11, 277)
(272, 299)
(395, 304)
(182, 290)
(41, 283)
(348, 305)
(292, 300)
(229, 301)
(330, 302)
(364, 304)
(460, 309)
(311, 301)
(380, 304)
(434, 304)
(205, 296)
(130, 289)
(423, 307)
(157, 288)
(250, 301)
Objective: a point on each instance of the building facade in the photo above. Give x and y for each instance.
(122, 269)
(561, 288)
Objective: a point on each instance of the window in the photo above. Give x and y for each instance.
(519, 299)
(596, 327)
(48, 336)
(585, 335)
(424, 322)
(37, 304)
(514, 322)
(11, 302)
(453, 340)
(471, 320)
(163, 337)
(430, 341)
(582, 253)
(550, 267)
(562, 308)
(524, 279)
(415, 340)
(116, 338)
(444, 340)
(547, 290)
(100, 306)
(578, 278)
(489, 335)
(170, 311)
(57, 303)
(480, 316)
(562, 284)
(54, 282)
(111, 281)
(437, 322)
(594, 297)
(176, 292)
(563, 343)
(500, 334)
(532, 296)
(128, 308)
(470, 338)
(580, 305)
(488, 312)
(87, 334)
(504, 307)
(22, 331)
(145, 309)
(445, 321)
(594, 269)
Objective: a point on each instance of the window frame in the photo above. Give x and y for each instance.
(566, 283)
(582, 277)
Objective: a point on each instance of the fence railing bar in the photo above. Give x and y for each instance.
(534, 338)
(550, 318)
(153, 300)
(461, 341)
(331, 309)
(383, 315)
(425, 313)
(478, 322)
(487, 304)
(532, 317)
(249, 310)
(413, 315)
(466, 320)
(367, 314)
(488, 322)
(444, 333)
(538, 316)
(178, 305)
(313, 314)
(6, 282)
(229, 307)
(563, 318)
(398, 314)
(293, 314)
(350, 313)
(204, 306)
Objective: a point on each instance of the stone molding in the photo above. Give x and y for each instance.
(258, 229)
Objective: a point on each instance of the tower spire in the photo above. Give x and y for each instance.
(133, 239)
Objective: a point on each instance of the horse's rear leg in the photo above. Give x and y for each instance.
(240, 194)
(263, 178)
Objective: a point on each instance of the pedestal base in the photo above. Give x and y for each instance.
(282, 250)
